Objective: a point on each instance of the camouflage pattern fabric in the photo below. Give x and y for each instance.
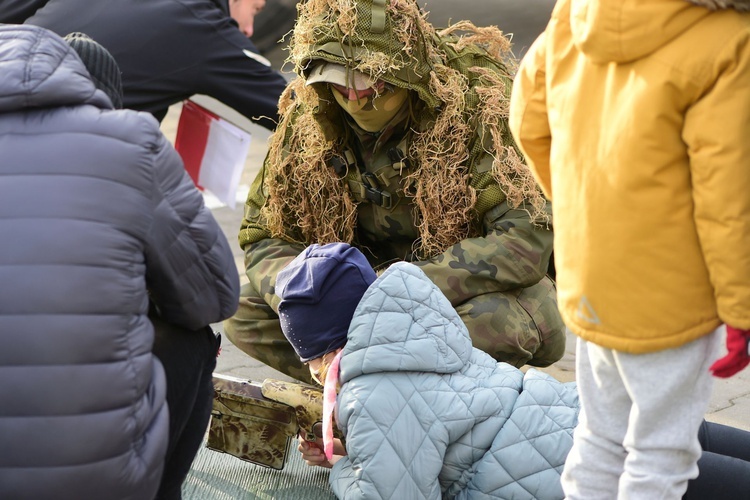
(247, 425)
(255, 327)
(496, 282)
(495, 277)
(307, 402)
(254, 422)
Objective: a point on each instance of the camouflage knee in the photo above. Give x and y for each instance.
(517, 327)
(540, 302)
(255, 330)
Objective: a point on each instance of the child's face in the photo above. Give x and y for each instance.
(319, 366)
(316, 368)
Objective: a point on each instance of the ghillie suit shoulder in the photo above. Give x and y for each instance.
(461, 77)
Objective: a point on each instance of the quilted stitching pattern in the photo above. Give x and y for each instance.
(428, 416)
(540, 430)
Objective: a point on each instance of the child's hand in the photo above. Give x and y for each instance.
(312, 453)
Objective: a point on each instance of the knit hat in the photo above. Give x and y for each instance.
(104, 71)
(319, 291)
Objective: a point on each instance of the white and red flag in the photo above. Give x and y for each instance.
(213, 151)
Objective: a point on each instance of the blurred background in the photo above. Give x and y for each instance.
(524, 19)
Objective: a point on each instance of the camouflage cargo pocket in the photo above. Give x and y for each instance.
(540, 303)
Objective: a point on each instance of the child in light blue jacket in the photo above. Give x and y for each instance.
(423, 413)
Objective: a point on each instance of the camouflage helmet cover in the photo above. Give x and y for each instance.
(385, 39)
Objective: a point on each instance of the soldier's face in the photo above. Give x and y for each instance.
(356, 95)
(244, 12)
(371, 110)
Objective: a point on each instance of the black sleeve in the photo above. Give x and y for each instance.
(17, 11)
(231, 70)
(179, 48)
(246, 85)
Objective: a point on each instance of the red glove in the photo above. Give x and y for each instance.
(738, 345)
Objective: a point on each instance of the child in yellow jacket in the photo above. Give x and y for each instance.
(634, 118)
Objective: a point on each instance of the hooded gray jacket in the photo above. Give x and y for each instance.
(96, 212)
(428, 416)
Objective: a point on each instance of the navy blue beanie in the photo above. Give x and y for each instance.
(319, 291)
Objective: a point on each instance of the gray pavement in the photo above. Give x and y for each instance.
(729, 405)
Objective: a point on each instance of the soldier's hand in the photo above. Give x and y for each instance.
(312, 452)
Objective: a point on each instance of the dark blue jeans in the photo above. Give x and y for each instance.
(189, 359)
(724, 465)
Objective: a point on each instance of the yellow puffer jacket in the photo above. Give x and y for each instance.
(635, 118)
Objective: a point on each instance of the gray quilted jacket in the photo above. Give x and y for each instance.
(426, 415)
(96, 211)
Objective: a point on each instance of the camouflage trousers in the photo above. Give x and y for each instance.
(518, 327)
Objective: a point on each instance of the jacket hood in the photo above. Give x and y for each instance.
(39, 69)
(616, 31)
(405, 323)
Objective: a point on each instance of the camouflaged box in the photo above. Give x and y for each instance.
(249, 426)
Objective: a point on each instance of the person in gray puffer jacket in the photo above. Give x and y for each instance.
(424, 414)
(98, 220)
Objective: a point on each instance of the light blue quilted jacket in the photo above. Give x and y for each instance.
(426, 415)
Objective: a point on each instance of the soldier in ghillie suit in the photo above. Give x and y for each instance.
(394, 139)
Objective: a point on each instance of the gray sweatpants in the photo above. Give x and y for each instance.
(637, 434)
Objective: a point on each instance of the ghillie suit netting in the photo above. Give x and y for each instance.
(461, 82)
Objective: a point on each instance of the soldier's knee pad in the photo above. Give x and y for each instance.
(519, 326)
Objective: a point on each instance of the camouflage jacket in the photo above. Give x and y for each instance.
(512, 252)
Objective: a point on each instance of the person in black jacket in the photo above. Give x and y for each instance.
(169, 50)
(17, 11)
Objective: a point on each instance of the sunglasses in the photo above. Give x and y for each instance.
(354, 94)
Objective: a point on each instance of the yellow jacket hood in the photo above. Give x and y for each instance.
(622, 31)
